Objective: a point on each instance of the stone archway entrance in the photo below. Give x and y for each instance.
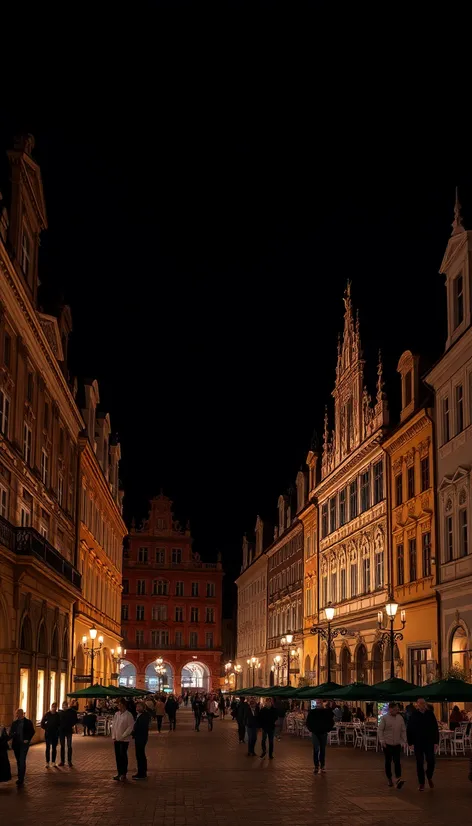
(127, 674)
(166, 681)
(195, 675)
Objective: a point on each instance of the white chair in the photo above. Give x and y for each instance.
(359, 738)
(333, 738)
(458, 743)
(349, 735)
(444, 739)
(371, 740)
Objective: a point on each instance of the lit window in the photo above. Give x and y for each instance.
(25, 517)
(4, 413)
(378, 482)
(426, 541)
(40, 696)
(365, 491)
(3, 502)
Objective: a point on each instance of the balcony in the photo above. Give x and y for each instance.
(194, 565)
(28, 542)
(168, 646)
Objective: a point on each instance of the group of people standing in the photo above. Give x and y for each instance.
(210, 706)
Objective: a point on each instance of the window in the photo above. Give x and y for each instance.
(179, 639)
(155, 639)
(324, 591)
(7, 351)
(193, 639)
(378, 482)
(365, 491)
(211, 591)
(379, 569)
(25, 517)
(460, 651)
(458, 299)
(60, 489)
(353, 499)
(44, 467)
(308, 595)
(142, 554)
(398, 490)
(3, 502)
(179, 614)
(449, 538)
(179, 589)
(140, 612)
(426, 549)
(463, 548)
(407, 384)
(140, 587)
(24, 690)
(446, 421)
(162, 588)
(419, 658)
(411, 481)
(4, 413)
(459, 408)
(125, 584)
(30, 388)
(43, 530)
(334, 586)
(195, 589)
(210, 615)
(176, 555)
(26, 247)
(27, 441)
(209, 639)
(160, 555)
(342, 506)
(366, 574)
(159, 613)
(412, 558)
(160, 524)
(353, 580)
(40, 695)
(332, 514)
(324, 519)
(139, 638)
(425, 473)
(400, 565)
(164, 638)
(194, 615)
(343, 584)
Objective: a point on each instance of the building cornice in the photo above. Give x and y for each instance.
(407, 431)
(295, 528)
(365, 451)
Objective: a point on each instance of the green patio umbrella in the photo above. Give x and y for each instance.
(449, 690)
(96, 691)
(283, 691)
(394, 685)
(355, 691)
(311, 692)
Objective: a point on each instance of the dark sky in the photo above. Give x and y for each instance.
(208, 197)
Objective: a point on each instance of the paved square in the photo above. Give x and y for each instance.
(206, 778)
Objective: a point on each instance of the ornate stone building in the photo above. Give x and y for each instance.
(172, 606)
(451, 379)
(252, 611)
(413, 548)
(308, 516)
(352, 513)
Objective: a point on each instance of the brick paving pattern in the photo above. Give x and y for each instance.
(206, 778)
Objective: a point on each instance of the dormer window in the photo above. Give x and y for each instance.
(458, 299)
(26, 255)
(408, 393)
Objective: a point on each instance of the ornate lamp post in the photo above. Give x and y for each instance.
(328, 633)
(90, 649)
(391, 635)
(160, 670)
(276, 667)
(253, 664)
(237, 668)
(118, 656)
(286, 642)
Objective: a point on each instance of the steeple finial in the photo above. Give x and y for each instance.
(457, 225)
(380, 381)
(325, 432)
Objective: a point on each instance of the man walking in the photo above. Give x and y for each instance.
(268, 717)
(171, 708)
(160, 711)
(423, 733)
(251, 710)
(392, 736)
(67, 721)
(140, 734)
(21, 734)
(123, 724)
(319, 721)
(241, 719)
(197, 710)
(50, 723)
(211, 711)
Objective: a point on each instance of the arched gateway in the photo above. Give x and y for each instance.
(196, 675)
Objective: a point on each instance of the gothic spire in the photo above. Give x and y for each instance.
(457, 225)
(325, 431)
(380, 381)
(349, 351)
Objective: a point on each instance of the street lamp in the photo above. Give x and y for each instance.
(90, 648)
(328, 634)
(276, 667)
(238, 668)
(160, 670)
(118, 657)
(253, 664)
(391, 636)
(286, 642)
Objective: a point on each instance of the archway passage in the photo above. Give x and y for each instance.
(156, 682)
(460, 653)
(127, 674)
(345, 665)
(195, 675)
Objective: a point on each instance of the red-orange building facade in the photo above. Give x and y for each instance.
(171, 607)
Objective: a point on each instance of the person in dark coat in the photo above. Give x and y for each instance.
(319, 722)
(140, 735)
(50, 723)
(455, 719)
(346, 715)
(67, 722)
(251, 714)
(5, 768)
(241, 719)
(171, 711)
(197, 707)
(268, 716)
(423, 734)
(21, 734)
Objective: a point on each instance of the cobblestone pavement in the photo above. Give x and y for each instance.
(206, 778)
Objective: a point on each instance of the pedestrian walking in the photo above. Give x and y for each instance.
(197, 706)
(268, 717)
(67, 722)
(5, 768)
(392, 736)
(241, 719)
(222, 706)
(171, 708)
(50, 723)
(160, 711)
(282, 708)
(21, 734)
(319, 722)
(123, 724)
(423, 734)
(251, 711)
(211, 711)
(140, 735)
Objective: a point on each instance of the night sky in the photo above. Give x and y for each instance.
(207, 201)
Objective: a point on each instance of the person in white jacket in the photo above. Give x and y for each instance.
(392, 736)
(211, 711)
(123, 724)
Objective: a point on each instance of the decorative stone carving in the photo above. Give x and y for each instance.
(397, 466)
(462, 497)
(423, 448)
(410, 458)
(448, 507)
(425, 502)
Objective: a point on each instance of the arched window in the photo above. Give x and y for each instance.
(460, 650)
(42, 641)
(377, 663)
(55, 644)
(361, 664)
(345, 665)
(26, 636)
